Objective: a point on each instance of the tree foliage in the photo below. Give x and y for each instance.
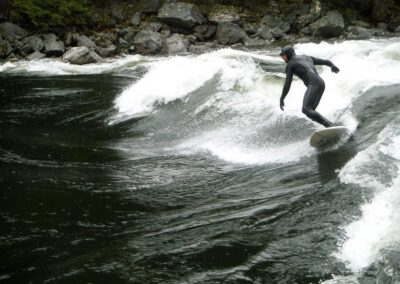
(51, 13)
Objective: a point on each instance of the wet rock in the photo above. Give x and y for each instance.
(107, 51)
(354, 32)
(272, 22)
(230, 33)
(123, 43)
(176, 44)
(136, 19)
(255, 42)
(117, 12)
(36, 56)
(151, 6)
(11, 32)
(224, 13)
(31, 44)
(277, 33)
(331, 25)
(81, 55)
(5, 48)
(182, 15)
(53, 46)
(83, 40)
(200, 48)
(148, 41)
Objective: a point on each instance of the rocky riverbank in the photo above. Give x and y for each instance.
(172, 27)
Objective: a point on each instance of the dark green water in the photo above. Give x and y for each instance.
(83, 201)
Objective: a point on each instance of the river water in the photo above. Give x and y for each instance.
(184, 170)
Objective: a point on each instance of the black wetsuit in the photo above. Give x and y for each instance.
(304, 67)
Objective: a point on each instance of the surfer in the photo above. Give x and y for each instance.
(304, 67)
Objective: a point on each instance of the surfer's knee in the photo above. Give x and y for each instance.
(306, 110)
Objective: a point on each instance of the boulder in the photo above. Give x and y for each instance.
(204, 32)
(117, 12)
(230, 33)
(31, 44)
(313, 14)
(264, 32)
(176, 44)
(136, 19)
(11, 32)
(36, 56)
(223, 13)
(151, 6)
(255, 42)
(107, 52)
(181, 15)
(53, 46)
(272, 22)
(5, 48)
(354, 32)
(123, 43)
(81, 55)
(331, 25)
(82, 40)
(148, 41)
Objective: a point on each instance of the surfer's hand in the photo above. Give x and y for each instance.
(282, 104)
(335, 69)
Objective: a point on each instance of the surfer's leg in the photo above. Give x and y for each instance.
(311, 100)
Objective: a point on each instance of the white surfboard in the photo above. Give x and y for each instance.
(328, 136)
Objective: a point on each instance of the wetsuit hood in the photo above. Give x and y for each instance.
(288, 51)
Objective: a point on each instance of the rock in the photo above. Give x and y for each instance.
(397, 30)
(117, 12)
(314, 13)
(255, 42)
(223, 13)
(83, 40)
(250, 28)
(36, 56)
(81, 55)
(202, 48)
(31, 44)
(204, 32)
(151, 6)
(331, 25)
(264, 32)
(176, 44)
(135, 20)
(272, 22)
(360, 24)
(147, 41)
(5, 48)
(230, 33)
(383, 26)
(123, 43)
(107, 52)
(53, 46)
(354, 32)
(277, 33)
(130, 36)
(181, 15)
(11, 32)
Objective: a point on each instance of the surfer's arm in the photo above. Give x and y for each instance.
(318, 61)
(286, 87)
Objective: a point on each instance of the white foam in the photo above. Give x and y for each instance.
(378, 169)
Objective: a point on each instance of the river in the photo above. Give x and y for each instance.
(184, 170)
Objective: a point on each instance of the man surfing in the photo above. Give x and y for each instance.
(304, 67)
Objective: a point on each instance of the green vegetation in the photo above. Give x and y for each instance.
(50, 13)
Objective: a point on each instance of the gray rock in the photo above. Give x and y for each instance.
(148, 42)
(130, 36)
(135, 20)
(277, 33)
(117, 12)
(397, 30)
(272, 22)
(123, 43)
(36, 56)
(176, 44)
(255, 42)
(5, 48)
(31, 44)
(313, 14)
(331, 25)
(151, 6)
(354, 32)
(182, 15)
(81, 55)
(107, 52)
(230, 33)
(264, 32)
(202, 48)
(11, 32)
(83, 40)
(361, 24)
(53, 46)
(204, 32)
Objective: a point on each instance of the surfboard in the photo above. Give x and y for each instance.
(328, 136)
